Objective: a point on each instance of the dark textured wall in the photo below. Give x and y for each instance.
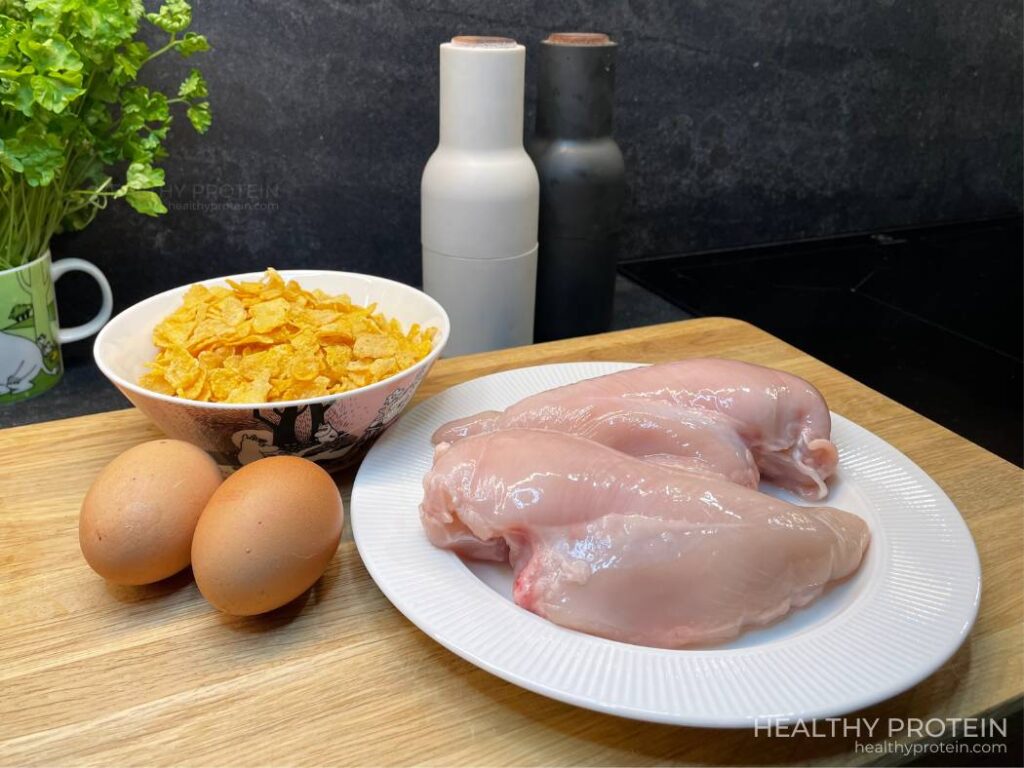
(741, 122)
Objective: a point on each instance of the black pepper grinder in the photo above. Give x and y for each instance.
(582, 186)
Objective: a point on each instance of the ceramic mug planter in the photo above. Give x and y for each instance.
(30, 334)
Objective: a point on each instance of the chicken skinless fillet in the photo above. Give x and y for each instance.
(781, 419)
(627, 549)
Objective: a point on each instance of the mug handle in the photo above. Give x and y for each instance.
(79, 332)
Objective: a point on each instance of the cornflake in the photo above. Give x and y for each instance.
(266, 341)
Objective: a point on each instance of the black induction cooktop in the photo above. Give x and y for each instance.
(931, 317)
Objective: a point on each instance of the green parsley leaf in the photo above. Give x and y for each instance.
(127, 60)
(39, 153)
(16, 91)
(199, 116)
(6, 158)
(56, 92)
(173, 16)
(51, 54)
(148, 203)
(192, 43)
(142, 176)
(194, 86)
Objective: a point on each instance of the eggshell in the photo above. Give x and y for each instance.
(267, 535)
(137, 519)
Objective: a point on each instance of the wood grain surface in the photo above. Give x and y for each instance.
(97, 674)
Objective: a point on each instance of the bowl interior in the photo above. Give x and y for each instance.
(125, 345)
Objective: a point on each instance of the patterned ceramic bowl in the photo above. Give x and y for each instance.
(334, 431)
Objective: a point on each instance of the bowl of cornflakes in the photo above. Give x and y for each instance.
(309, 363)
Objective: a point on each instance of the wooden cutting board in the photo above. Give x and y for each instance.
(93, 673)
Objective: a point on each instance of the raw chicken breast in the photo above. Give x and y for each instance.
(781, 418)
(699, 441)
(626, 549)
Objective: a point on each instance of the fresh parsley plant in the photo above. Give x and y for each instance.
(73, 118)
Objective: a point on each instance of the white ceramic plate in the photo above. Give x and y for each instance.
(902, 615)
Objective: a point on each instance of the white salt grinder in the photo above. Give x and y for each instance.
(479, 199)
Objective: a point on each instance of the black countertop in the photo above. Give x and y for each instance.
(85, 390)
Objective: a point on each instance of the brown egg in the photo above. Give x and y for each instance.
(267, 535)
(138, 517)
